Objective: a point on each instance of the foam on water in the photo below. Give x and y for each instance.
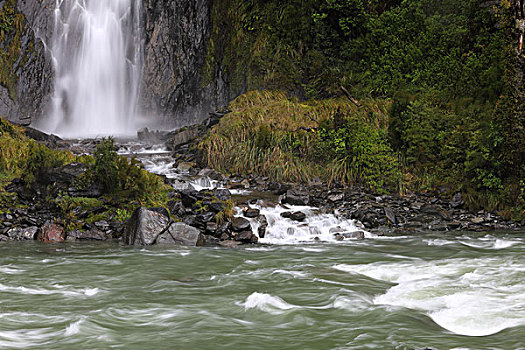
(316, 227)
(474, 297)
(43, 291)
(267, 303)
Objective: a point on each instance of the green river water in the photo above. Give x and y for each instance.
(445, 292)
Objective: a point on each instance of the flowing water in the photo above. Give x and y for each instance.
(97, 59)
(447, 292)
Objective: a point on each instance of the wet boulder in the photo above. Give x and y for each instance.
(251, 212)
(295, 197)
(144, 227)
(246, 237)
(263, 224)
(240, 224)
(179, 233)
(51, 233)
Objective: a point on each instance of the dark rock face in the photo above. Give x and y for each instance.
(144, 227)
(33, 73)
(176, 37)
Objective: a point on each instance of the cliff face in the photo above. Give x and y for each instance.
(176, 37)
(26, 76)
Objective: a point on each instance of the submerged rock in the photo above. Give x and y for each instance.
(144, 227)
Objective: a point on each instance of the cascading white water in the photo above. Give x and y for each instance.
(97, 57)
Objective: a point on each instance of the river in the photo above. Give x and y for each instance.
(446, 292)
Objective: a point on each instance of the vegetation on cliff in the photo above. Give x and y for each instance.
(444, 72)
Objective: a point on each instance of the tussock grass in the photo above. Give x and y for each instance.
(270, 134)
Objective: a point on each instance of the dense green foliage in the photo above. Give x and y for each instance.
(449, 66)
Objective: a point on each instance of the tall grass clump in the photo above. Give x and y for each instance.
(270, 134)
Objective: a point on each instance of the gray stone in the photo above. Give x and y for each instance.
(91, 235)
(222, 194)
(19, 233)
(144, 227)
(181, 234)
(298, 216)
(457, 201)
(263, 225)
(294, 197)
(240, 224)
(251, 212)
(354, 235)
(246, 237)
(389, 213)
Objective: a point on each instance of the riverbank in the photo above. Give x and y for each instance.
(201, 206)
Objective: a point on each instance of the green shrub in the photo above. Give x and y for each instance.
(105, 170)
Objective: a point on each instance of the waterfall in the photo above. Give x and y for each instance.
(98, 61)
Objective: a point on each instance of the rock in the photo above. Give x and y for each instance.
(457, 201)
(263, 224)
(336, 197)
(91, 235)
(430, 209)
(211, 228)
(181, 234)
(246, 237)
(251, 212)
(216, 206)
(188, 198)
(3, 238)
(222, 194)
(389, 213)
(185, 166)
(181, 137)
(240, 224)
(94, 190)
(298, 216)
(212, 174)
(66, 174)
(51, 233)
(152, 137)
(354, 235)
(294, 197)
(286, 214)
(477, 220)
(336, 230)
(19, 233)
(230, 244)
(339, 237)
(202, 218)
(144, 227)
